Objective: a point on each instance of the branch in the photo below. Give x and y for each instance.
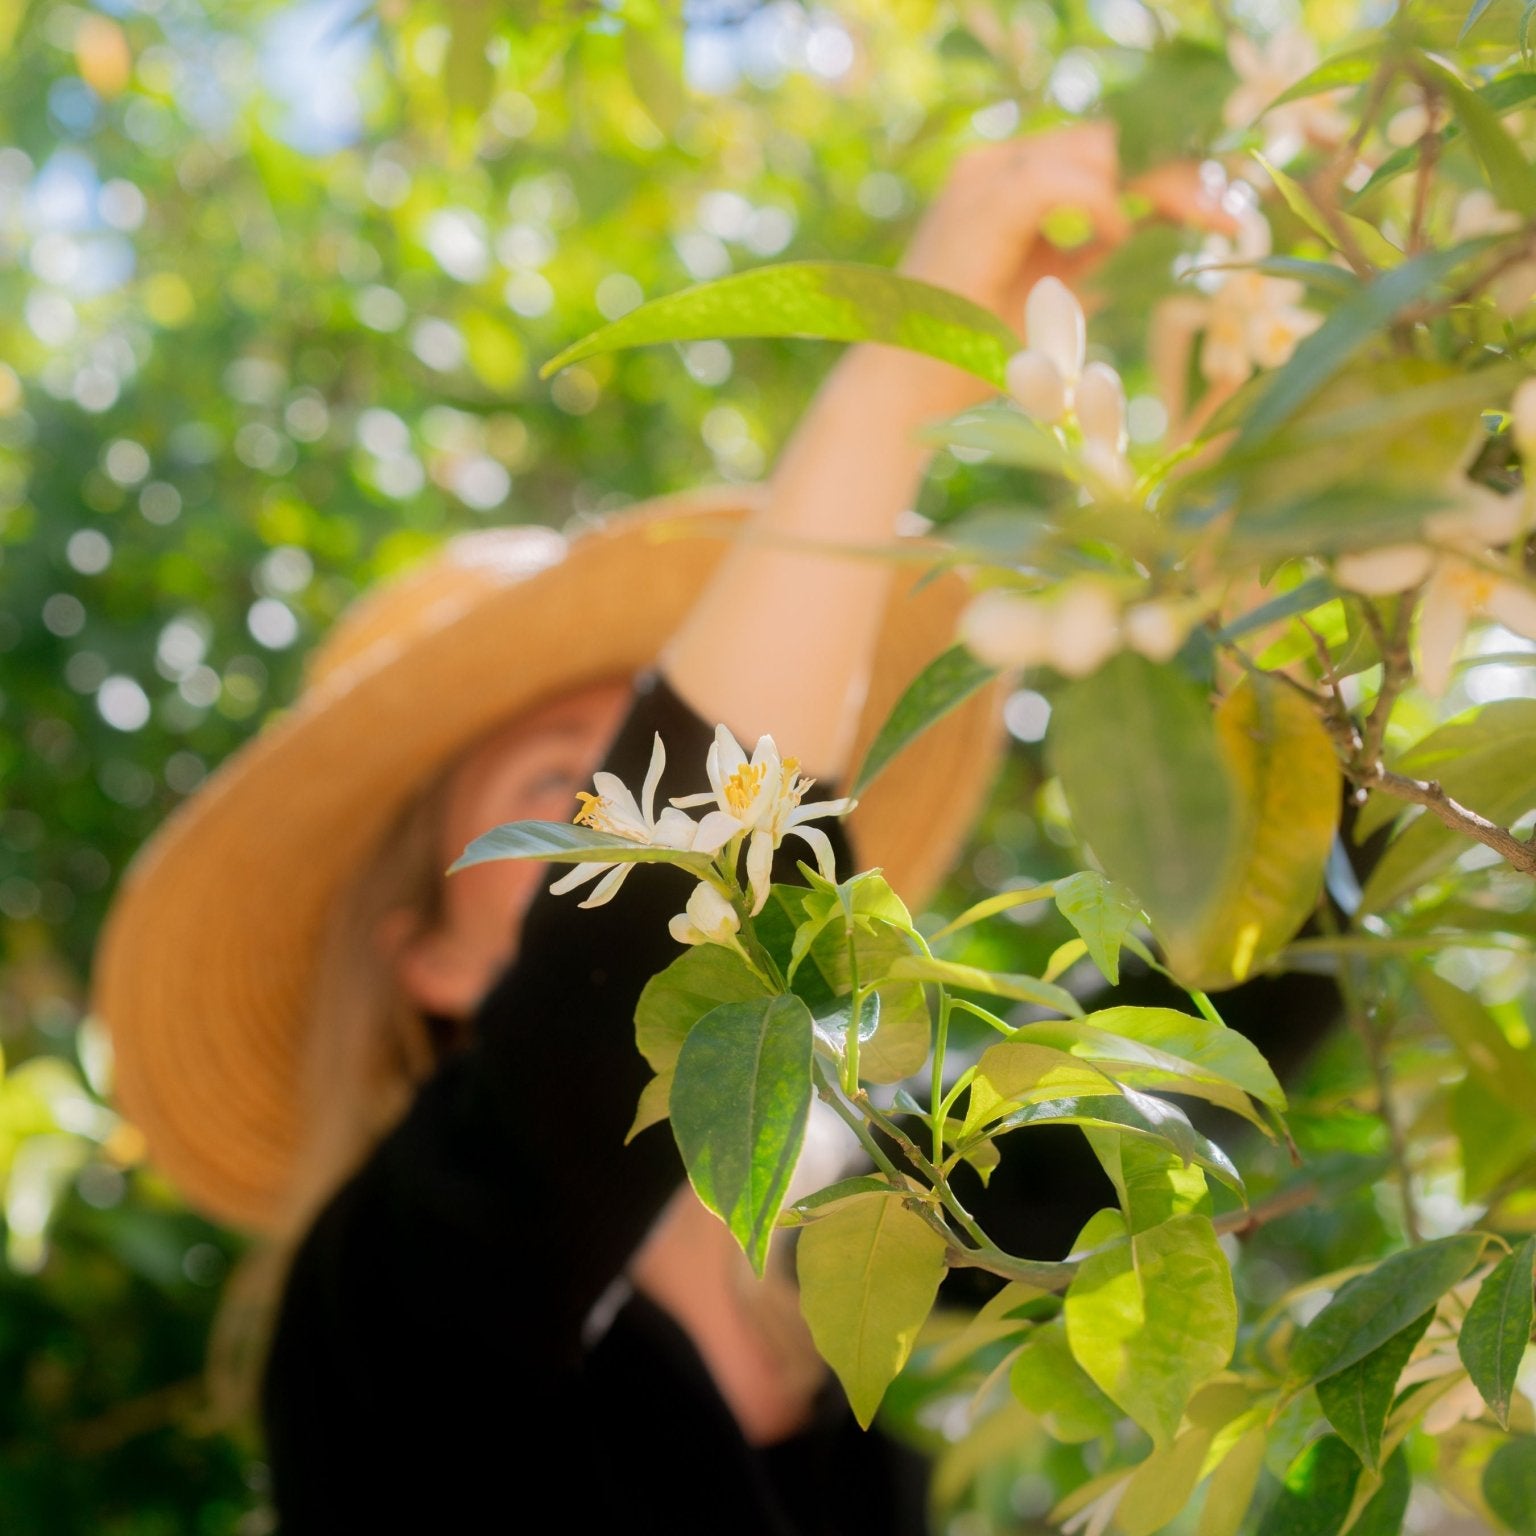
(1431, 795)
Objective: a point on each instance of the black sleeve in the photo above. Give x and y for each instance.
(469, 1250)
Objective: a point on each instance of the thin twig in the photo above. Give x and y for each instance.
(1396, 674)
(1429, 793)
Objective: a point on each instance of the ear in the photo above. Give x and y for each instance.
(431, 967)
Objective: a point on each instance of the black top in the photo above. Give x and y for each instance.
(428, 1367)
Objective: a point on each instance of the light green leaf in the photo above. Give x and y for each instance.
(1369, 240)
(1473, 17)
(652, 1108)
(972, 978)
(1151, 1316)
(741, 1092)
(1289, 787)
(1052, 1385)
(1154, 1186)
(815, 1206)
(1509, 1484)
(1013, 1074)
(947, 681)
(1371, 1308)
(562, 842)
(1357, 1399)
(1162, 1485)
(1499, 1067)
(1352, 326)
(1353, 67)
(869, 1271)
(1102, 912)
(1486, 759)
(1165, 820)
(1509, 174)
(990, 906)
(832, 300)
(1006, 436)
(674, 1000)
(1230, 1490)
(1497, 1329)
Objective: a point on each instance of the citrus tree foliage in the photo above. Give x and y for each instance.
(264, 341)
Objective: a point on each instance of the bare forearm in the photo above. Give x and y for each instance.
(781, 639)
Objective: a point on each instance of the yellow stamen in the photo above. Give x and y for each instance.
(591, 809)
(741, 788)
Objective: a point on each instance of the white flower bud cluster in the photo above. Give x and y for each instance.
(1074, 629)
(1052, 382)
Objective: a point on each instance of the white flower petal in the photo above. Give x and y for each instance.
(822, 845)
(760, 867)
(1381, 572)
(608, 887)
(579, 875)
(1100, 405)
(684, 931)
(1006, 629)
(1522, 418)
(1037, 386)
(715, 831)
(1481, 517)
(1156, 630)
(652, 779)
(1054, 325)
(707, 797)
(1443, 623)
(1514, 606)
(712, 915)
(819, 808)
(673, 829)
(1085, 628)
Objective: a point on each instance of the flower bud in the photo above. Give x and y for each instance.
(707, 919)
(1085, 628)
(1100, 404)
(1035, 382)
(1381, 572)
(1005, 629)
(1054, 325)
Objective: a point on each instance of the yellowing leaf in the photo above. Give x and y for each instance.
(1288, 786)
(869, 1271)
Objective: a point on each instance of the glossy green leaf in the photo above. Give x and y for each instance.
(1052, 1385)
(972, 978)
(947, 681)
(562, 842)
(1102, 913)
(1497, 1328)
(869, 1271)
(1352, 326)
(1151, 1316)
(741, 1092)
(1486, 759)
(1289, 788)
(1012, 1074)
(1371, 1308)
(818, 1205)
(1509, 1485)
(672, 1002)
(1357, 1399)
(1164, 820)
(831, 300)
(1171, 108)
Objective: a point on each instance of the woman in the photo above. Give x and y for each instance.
(482, 1307)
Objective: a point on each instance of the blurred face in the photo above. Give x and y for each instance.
(527, 770)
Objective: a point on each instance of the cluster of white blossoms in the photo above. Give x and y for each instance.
(1053, 382)
(1266, 71)
(758, 801)
(1461, 560)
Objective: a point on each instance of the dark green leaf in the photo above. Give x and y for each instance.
(1497, 1329)
(949, 679)
(1383, 1514)
(1357, 1399)
(1318, 1490)
(1509, 1485)
(1371, 1308)
(831, 300)
(740, 1096)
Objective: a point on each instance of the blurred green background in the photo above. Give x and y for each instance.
(275, 283)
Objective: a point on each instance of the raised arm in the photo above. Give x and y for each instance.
(781, 640)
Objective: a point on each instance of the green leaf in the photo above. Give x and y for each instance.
(1154, 1186)
(815, 1206)
(1006, 436)
(1383, 1513)
(1013, 1074)
(1510, 176)
(972, 978)
(1151, 1316)
(1486, 759)
(1371, 1308)
(869, 1271)
(832, 300)
(740, 1096)
(1352, 326)
(1497, 1329)
(1131, 1113)
(1353, 67)
(1289, 786)
(990, 906)
(1316, 1495)
(1357, 1399)
(1171, 108)
(1052, 1385)
(948, 680)
(1473, 17)
(1498, 1066)
(562, 842)
(1161, 1487)
(1163, 819)
(1370, 241)
(1312, 593)
(1230, 1490)
(1509, 1484)
(1102, 912)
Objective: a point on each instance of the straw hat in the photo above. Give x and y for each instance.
(209, 953)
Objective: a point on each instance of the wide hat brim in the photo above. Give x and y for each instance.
(208, 959)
